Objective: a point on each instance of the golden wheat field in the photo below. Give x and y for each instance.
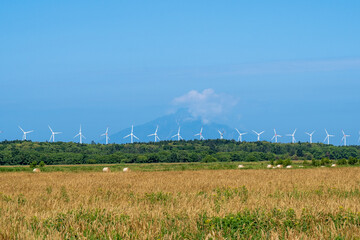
(318, 203)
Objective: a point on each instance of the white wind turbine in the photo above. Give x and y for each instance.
(53, 135)
(24, 133)
(155, 134)
(310, 135)
(293, 140)
(221, 134)
(359, 137)
(275, 136)
(328, 137)
(258, 134)
(240, 135)
(81, 136)
(344, 137)
(178, 135)
(201, 137)
(106, 134)
(131, 135)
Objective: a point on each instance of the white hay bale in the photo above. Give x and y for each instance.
(301, 166)
(279, 166)
(106, 169)
(126, 169)
(333, 165)
(241, 166)
(322, 166)
(269, 166)
(36, 170)
(289, 166)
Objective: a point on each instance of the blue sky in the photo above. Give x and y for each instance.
(274, 64)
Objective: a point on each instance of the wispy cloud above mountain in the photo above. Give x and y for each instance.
(207, 105)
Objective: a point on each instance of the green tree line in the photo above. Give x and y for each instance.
(26, 152)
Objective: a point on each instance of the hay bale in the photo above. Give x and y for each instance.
(269, 166)
(333, 165)
(241, 166)
(36, 170)
(301, 166)
(106, 169)
(289, 166)
(126, 169)
(279, 166)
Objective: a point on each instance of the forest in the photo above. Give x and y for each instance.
(26, 152)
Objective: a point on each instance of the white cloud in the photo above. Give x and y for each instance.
(207, 104)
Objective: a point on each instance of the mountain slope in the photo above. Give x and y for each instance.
(168, 126)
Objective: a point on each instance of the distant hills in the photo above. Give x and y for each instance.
(168, 127)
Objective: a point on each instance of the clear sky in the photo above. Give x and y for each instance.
(268, 64)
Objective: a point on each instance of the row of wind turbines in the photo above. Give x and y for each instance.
(200, 135)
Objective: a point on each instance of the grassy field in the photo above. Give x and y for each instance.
(314, 203)
(148, 167)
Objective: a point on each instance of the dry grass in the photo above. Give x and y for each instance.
(272, 203)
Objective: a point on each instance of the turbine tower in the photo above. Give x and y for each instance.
(344, 137)
(155, 134)
(53, 135)
(201, 137)
(328, 137)
(240, 135)
(258, 134)
(131, 135)
(106, 134)
(178, 135)
(310, 135)
(81, 136)
(221, 134)
(275, 136)
(292, 136)
(24, 133)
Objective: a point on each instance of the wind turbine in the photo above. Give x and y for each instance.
(24, 133)
(344, 137)
(81, 136)
(328, 136)
(359, 137)
(106, 134)
(200, 134)
(221, 134)
(155, 134)
(310, 135)
(53, 135)
(131, 135)
(275, 136)
(258, 134)
(178, 135)
(292, 136)
(240, 135)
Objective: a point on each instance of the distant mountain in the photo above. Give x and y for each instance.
(168, 127)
